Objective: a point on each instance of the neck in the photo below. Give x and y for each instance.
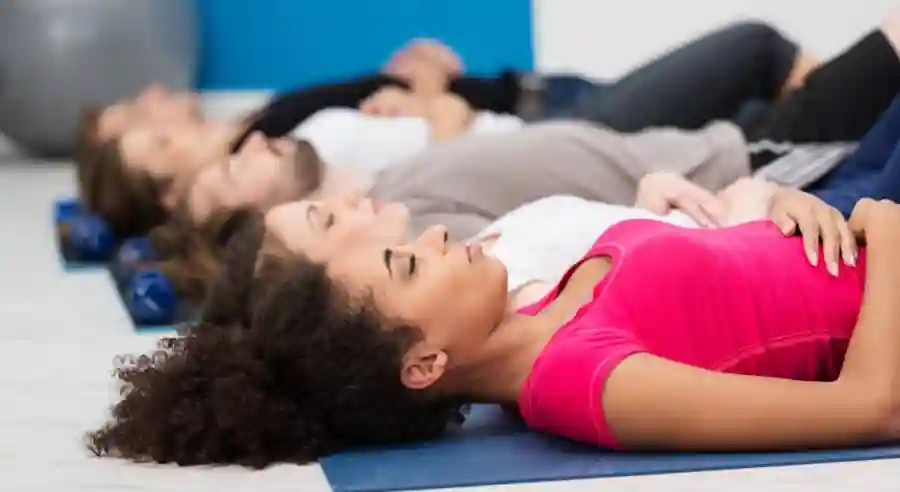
(496, 374)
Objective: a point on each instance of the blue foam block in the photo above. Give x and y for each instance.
(70, 208)
(493, 448)
(151, 299)
(63, 210)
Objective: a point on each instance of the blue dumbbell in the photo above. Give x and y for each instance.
(132, 254)
(151, 299)
(66, 209)
(89, 238)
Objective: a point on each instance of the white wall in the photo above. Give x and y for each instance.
(605, 38)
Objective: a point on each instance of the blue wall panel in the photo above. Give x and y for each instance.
(279, 44)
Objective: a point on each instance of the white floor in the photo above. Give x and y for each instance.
(59, 333)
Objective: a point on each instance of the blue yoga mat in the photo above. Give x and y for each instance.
(493, 448)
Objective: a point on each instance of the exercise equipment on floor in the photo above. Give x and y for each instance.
(83, 238)
(85, 241)
(57, 56)
(133, 255)
(151, 299)
(149, 296)
(494, 448)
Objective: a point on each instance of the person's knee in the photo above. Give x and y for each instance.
(756, 32)
(754, 42)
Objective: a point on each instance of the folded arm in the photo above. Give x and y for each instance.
(744, 200)
(448, 115)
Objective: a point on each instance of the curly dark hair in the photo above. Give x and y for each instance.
(304, 370)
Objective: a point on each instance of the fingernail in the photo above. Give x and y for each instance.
(833, 268)
(813, 259)
(850, 260)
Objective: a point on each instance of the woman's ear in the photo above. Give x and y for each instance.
(422, 366)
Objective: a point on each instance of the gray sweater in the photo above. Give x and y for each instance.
(469, 182)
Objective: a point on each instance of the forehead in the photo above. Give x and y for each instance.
(291, 223)
(136, 143)
(113, 120)
(118, 109)
(300, 227)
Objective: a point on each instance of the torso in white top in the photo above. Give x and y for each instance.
(539, 241)
(348, 138)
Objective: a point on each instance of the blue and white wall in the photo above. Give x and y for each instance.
(276, 44)
(253, 47)
(279, 44)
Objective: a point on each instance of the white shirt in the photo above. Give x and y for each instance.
(348, 138)
(540, 240)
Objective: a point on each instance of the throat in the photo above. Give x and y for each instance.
(498, 373)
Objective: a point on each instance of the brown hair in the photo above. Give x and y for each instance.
(190, 255)
(130, 200)
(87, 143)
(300, 370)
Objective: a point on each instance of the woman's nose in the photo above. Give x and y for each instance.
(254, 144)
(434, 238)
(353, 198)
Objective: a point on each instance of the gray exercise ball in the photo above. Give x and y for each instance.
(58, 55)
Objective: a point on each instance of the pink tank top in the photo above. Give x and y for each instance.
(738, 300)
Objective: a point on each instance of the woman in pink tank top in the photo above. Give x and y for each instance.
(659, 338)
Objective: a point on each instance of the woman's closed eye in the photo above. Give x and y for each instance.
(318, 219)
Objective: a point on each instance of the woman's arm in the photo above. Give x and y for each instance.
(286, 111)
(746, 200)
(448, 115)
(652, 403)
(655, 404)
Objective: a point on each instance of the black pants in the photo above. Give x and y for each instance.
(840, 100)
(732, 73)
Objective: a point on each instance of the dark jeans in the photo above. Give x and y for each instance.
(711, 78)
(872, 170)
